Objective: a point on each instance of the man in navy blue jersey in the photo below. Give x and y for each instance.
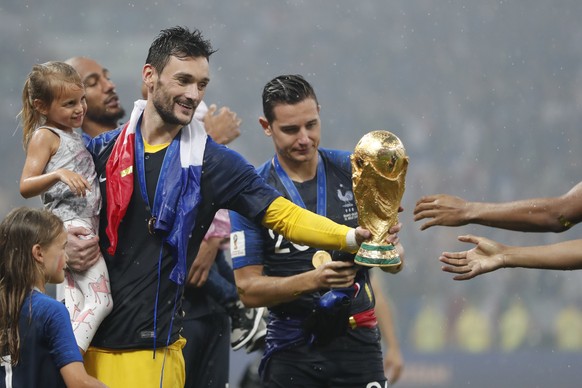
(210, 296)
(322, 327)
(162, 180)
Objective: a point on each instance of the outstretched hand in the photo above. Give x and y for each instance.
(486, 256)
(442, 209)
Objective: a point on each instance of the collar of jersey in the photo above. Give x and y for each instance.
(152, 149)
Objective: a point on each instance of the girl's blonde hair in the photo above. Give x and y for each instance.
(19, 271)
(45, 82)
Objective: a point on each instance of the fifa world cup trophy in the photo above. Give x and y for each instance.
(379, 165)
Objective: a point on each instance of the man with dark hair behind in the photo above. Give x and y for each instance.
(315, 337)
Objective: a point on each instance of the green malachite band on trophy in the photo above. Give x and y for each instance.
(377, 255)
(376, 262)
(369, 247)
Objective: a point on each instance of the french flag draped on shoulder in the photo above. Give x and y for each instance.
(180, 194)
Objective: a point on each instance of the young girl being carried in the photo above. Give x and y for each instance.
(37, 345)
(61, 171)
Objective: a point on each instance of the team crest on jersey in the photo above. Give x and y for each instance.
(347, 197)
(237, 244)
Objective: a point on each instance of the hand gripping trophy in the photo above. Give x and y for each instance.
(379, 165)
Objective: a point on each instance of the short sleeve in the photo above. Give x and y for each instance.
(246, 242)
(58, 330)
(230, 182)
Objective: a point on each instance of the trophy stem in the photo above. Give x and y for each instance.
(376, 255)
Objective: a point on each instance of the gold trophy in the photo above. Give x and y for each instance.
(379, 165)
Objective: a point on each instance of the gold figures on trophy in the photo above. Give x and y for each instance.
(379, 165)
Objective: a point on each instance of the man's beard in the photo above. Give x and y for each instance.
(106, 117)
(166, 112)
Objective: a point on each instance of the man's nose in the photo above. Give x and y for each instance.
(193, 92)
(108, 85)
(303, 136)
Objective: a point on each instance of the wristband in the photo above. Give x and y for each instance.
(351, 243)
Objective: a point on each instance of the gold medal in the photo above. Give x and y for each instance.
(319, 258)
(151, 225)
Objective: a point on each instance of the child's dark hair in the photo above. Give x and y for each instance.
(45, 82)
(20, 231)
(287, 89)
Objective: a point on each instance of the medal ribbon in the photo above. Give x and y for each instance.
(173, 148)
(292, 190)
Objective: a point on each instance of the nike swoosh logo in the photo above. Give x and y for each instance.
(250, 313)
(102, 179)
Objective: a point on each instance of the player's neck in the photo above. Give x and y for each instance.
(40, 287)
(52, 124)
(300, 171)
(155, 130)
(94, 129)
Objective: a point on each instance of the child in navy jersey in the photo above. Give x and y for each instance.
(37, 345)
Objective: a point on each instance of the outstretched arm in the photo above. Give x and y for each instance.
(257, 289)
(555, 214)
(488, 256)
(307, 228)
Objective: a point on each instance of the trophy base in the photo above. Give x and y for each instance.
(384, 256)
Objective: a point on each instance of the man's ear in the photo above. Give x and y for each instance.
(266, 126)
(37, 253)
(147, 75)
